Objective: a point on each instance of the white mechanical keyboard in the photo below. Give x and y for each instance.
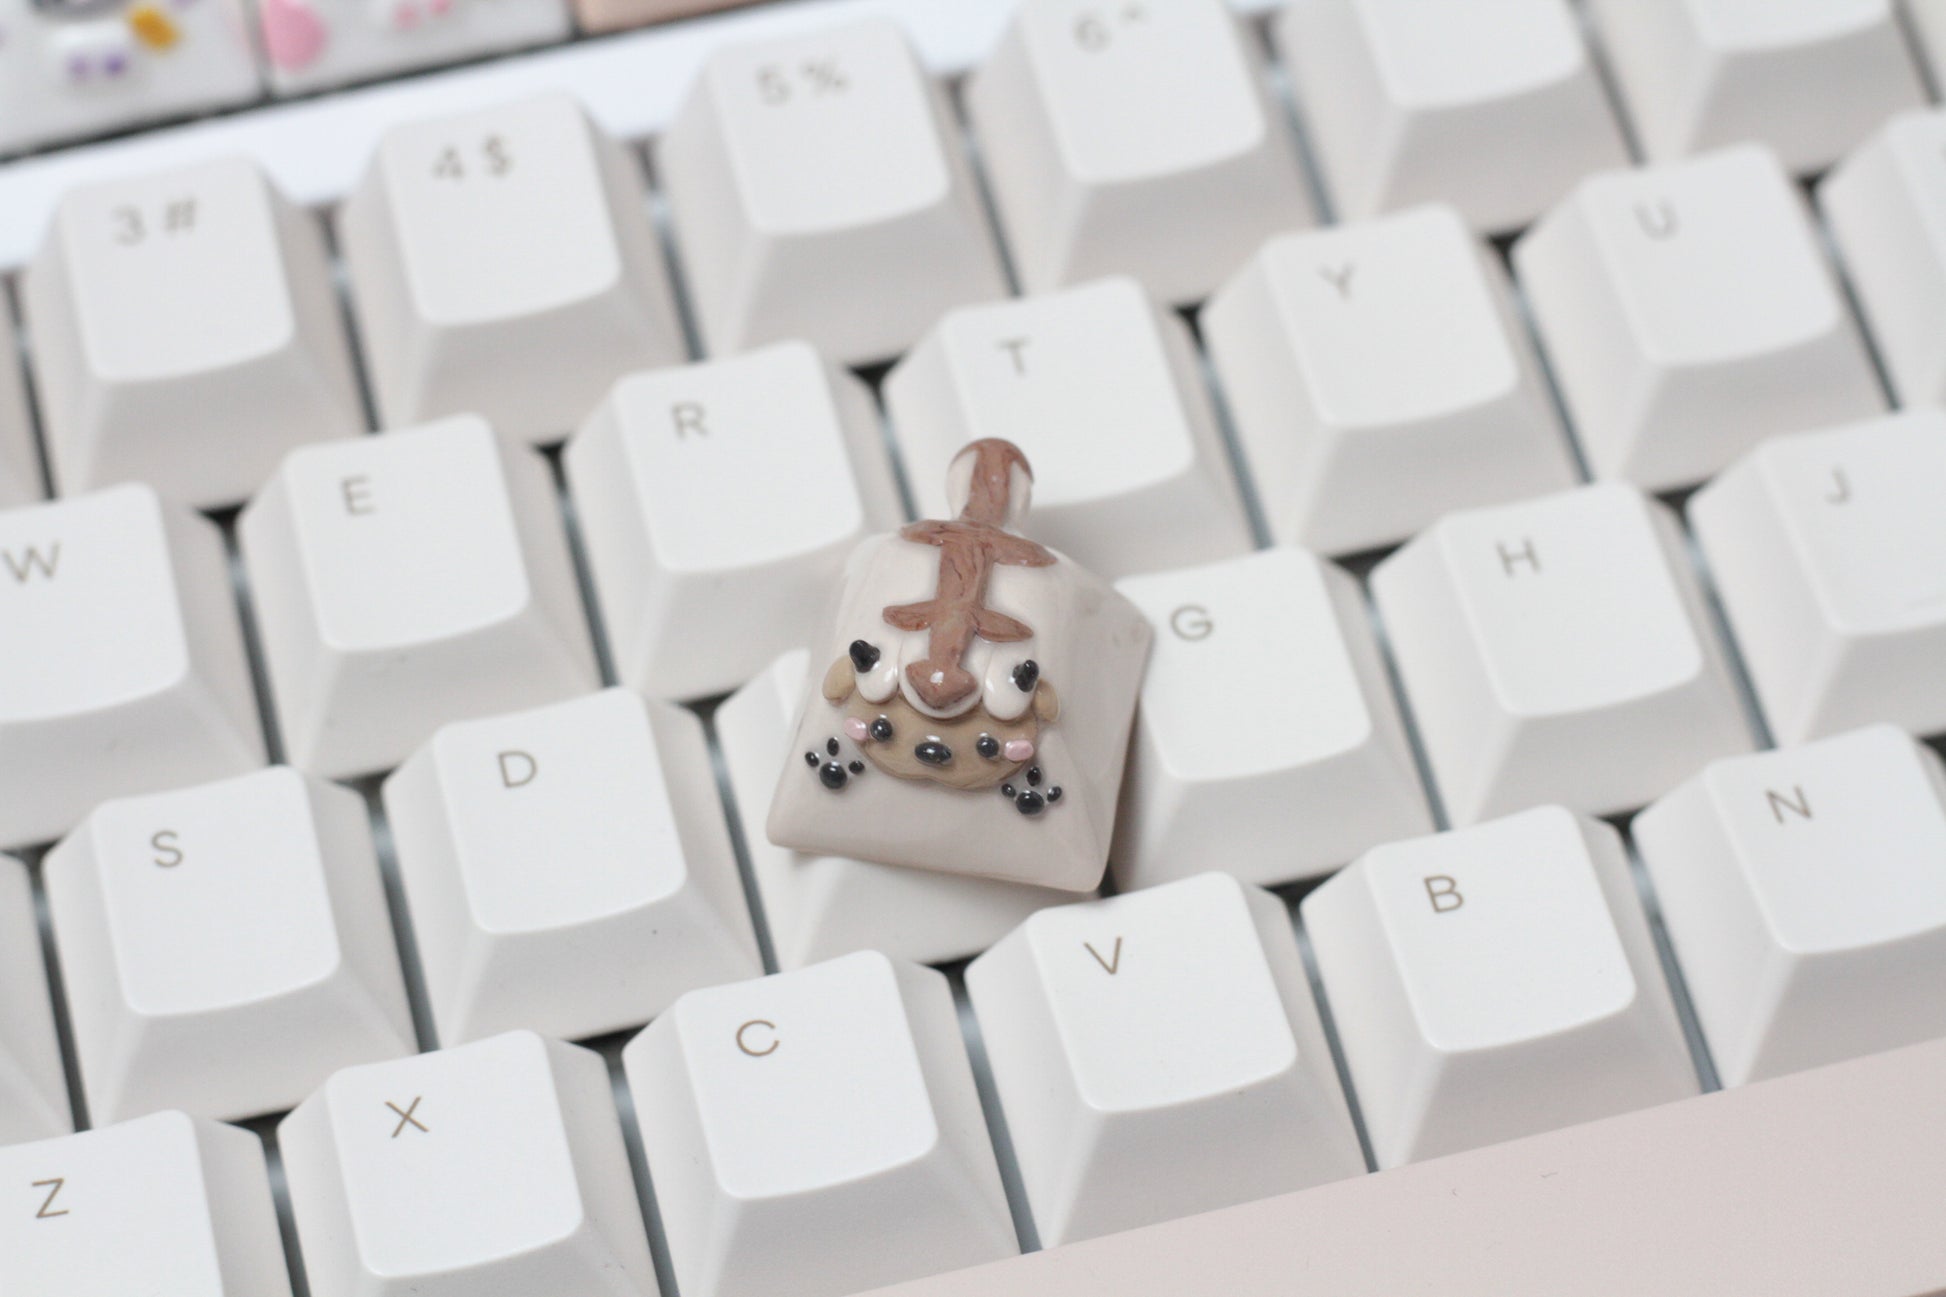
(1518, 419)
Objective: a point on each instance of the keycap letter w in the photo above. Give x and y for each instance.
(24, 563)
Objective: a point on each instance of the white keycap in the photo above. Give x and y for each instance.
(488, 1170)
(20, 470)
(33, 1097)
(405, 581)
(186, 334)
(819, 907)
(1689, 312)
(167, 1204)
(639, 900)
(1111, 131)
(1378, 378)
(1100, 388)
(1267, 742)
(818, 191)
(310, 44)
(1557, 650)
(1493, 106)
(69, 70)
(1809, 78)
(124, 659)
(1804, 891)
(1829, 554)
(224, 947)
(1885, 206)
(1495, 982)
(718, 503)
(817, 1133)
(502, 264)
(1157, 1055)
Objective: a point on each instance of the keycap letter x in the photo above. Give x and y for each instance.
(405, 1116)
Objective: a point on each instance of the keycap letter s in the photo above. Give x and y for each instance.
(225, 946)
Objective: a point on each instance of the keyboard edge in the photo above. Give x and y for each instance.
(1812, 1185)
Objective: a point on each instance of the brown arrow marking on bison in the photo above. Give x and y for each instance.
(970, 547)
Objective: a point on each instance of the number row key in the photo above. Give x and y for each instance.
(502, 264)
(816, 193)
(1111, 129)
(186, 334)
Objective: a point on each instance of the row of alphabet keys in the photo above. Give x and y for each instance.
(820, 1131)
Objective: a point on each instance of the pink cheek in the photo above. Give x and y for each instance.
(855, 729)
(1018, 749)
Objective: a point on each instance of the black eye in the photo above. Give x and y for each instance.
(988, 746)
(882, 730)
(1027, 675)
(863, 656)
